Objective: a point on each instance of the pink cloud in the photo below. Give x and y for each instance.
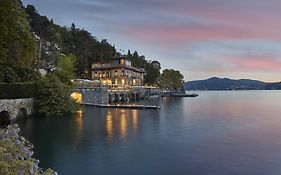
(218, 20)
(254, 63)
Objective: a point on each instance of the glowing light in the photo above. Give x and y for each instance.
(122, 61)
(76, 96)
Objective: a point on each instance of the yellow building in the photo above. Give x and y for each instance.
(119, 71)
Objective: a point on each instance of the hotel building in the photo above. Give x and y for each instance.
(118, 71)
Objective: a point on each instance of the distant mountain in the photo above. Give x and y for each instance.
(216, 83)
(273, 86)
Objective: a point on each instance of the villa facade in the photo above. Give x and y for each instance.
(118, 71)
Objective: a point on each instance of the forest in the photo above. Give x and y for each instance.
(55, 40)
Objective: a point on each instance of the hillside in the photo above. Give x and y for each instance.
(55, 40)
(216, 83)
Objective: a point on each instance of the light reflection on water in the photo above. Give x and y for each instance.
(216, 133)
(109, 126)
(126, 119)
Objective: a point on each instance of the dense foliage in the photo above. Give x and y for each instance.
(58, 40)
(53, 90)
(152, 68)
(171, 80)
(65, 68)
(16, 154)
(53, 97)
(18, 48)
(17, 90)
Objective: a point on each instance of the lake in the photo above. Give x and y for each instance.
(217, 133)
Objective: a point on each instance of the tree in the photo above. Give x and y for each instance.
(156, 65)
(171, 79)
(152, 74)
(66, 68)
(53, 97)
(17, 44)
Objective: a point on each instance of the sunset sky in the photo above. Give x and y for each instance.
(201, 38)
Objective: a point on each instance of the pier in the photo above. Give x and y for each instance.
(122, 106)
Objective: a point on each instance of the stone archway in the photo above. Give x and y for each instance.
(5, 117)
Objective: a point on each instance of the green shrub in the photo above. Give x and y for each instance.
(17, 90)
(53, 97)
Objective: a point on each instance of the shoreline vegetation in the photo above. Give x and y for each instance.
(16, 154)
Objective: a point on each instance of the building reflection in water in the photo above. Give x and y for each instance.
(123, 124)
(122, 120)
(109, 126)
(135, 119)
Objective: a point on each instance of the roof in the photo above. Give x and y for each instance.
(122, 66)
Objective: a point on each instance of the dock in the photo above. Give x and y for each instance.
(184, 95)
(121, 106)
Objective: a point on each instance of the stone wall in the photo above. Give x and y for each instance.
(13, 106)
(98, 95)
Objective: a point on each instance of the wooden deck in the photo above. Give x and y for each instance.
(122, 106)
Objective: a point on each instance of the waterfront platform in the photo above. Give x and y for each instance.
(122, 106)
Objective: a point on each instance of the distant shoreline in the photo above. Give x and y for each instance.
(227, 84)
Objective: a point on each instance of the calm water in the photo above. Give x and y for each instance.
(222, 133)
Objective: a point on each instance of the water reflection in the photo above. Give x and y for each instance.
(135, 119)
(109, 126)
(123, 125)
(119, 122)
(79, 120)
(78, 134)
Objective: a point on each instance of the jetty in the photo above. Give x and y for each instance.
(122, 106)
(185, 95)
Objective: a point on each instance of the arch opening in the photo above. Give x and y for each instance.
(5, 117)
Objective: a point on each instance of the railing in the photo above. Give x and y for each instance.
(119, 88)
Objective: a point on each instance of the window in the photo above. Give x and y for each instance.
(134, 81)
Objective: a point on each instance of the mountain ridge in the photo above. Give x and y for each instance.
(216, 83)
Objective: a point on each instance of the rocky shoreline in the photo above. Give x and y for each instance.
(16, 154)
